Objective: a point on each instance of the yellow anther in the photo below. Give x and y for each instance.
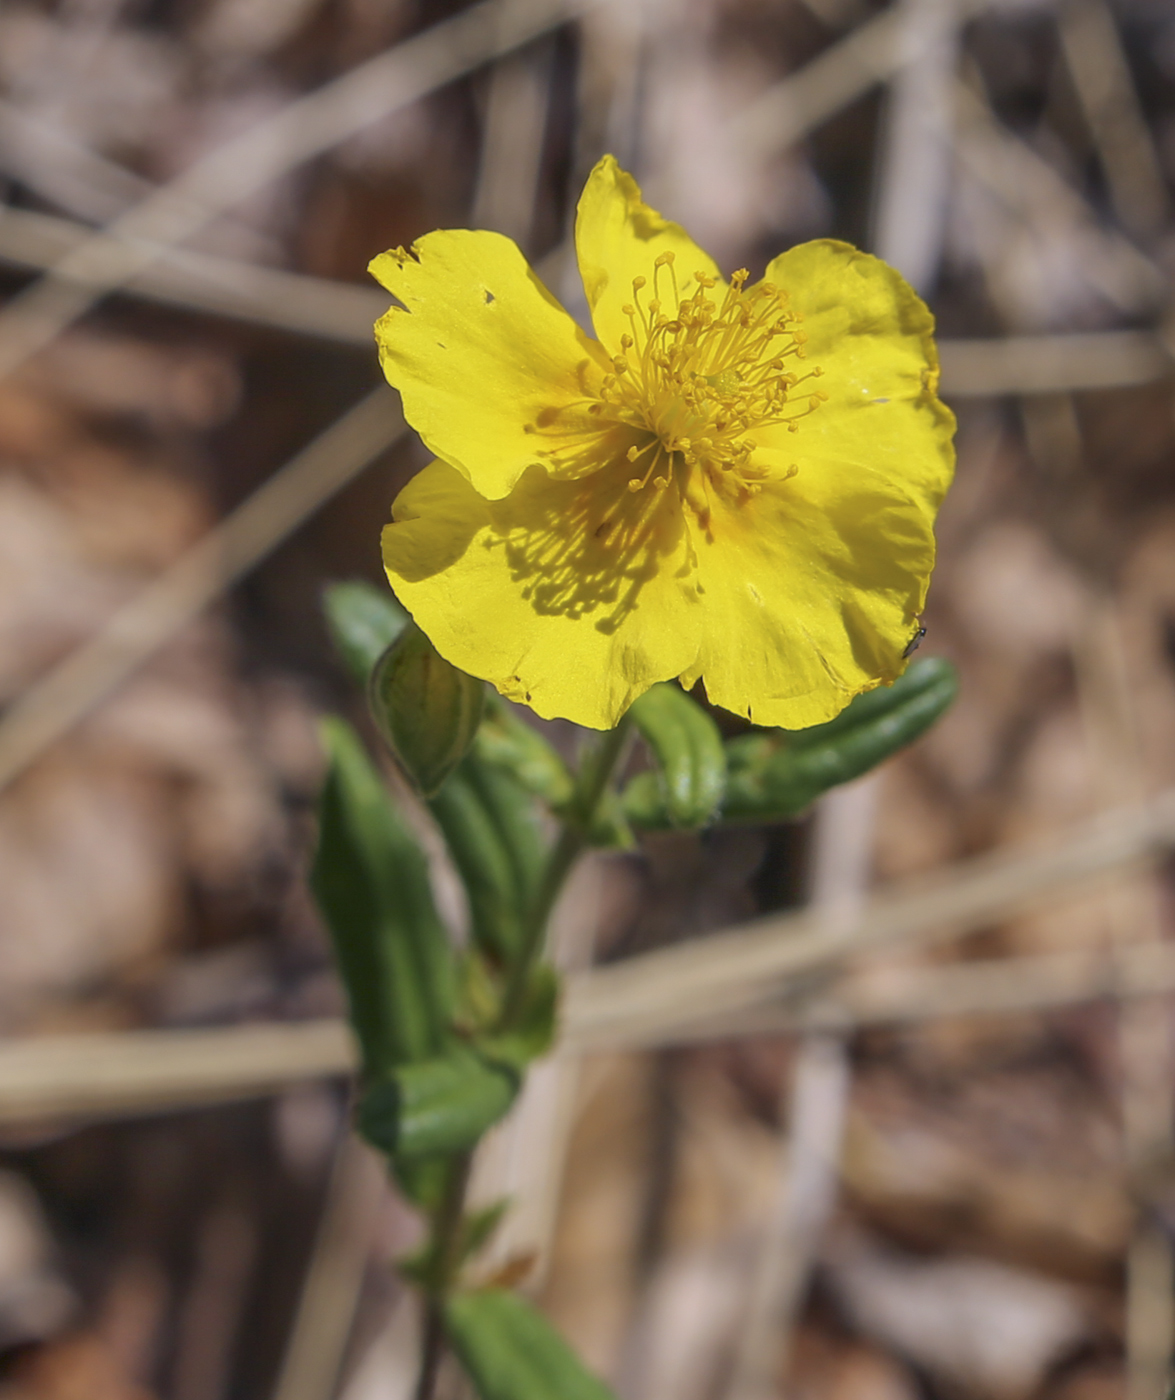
(664, 259)
(619, 364)
(628, 309)
(635, 484)
(739, 276)
(639, 282)
(627, 342)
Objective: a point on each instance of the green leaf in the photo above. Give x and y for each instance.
(436, 1106)
(363, 622)
(427, 710)
(491, 828)
(534, 1029)
(507, 742)
(371, 883)
(511, 1352)
(780, 777)
(424, 1181)
(775, 774)
(687, 749)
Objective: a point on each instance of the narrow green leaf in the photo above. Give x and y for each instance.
(768, 784)
(687, 749)
(479, 1225)
(491, 828)
(511, 1352)
(427, 710)
(775, 774)
(436, 1106)
(363, 621)
(371, 883)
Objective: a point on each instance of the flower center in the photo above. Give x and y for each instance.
(699, 373)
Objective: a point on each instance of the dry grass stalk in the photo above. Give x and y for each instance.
(1037, 192)
(330, 1293)
(80, 682)
(201, 281)
(653, 998)
(814, 1098)
(1134, 918)
(109, 260)
(1105, 88)
(78, 1077)
(1041, 364)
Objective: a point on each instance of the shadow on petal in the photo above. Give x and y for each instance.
(587, 547)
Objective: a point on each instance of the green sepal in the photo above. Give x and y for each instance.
(780, 778)
(511, 1352)
(371, 883)
(492, 832)
(533, 1031)
(363, 622)
(505, 741)
(690, 761)
(426, 709)
(436, 1106)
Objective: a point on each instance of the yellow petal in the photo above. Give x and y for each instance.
(810, 589)
(619, 238)
(872, 338)
(570, 596)
(492, 370)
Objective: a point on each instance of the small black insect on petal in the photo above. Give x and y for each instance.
(914, 643)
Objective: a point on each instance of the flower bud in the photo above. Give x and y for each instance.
(427, 711)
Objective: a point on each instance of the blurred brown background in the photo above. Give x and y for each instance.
(945, 1173)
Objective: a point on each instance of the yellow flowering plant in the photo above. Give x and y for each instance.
(734, 484)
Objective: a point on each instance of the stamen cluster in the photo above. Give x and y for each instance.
(700, 377)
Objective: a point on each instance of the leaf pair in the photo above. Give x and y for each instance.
(769, 775)
(433, 1078)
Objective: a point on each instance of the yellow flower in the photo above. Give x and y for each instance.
(734, 482)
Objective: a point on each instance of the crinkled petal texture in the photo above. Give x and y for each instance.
(873, 338)
(809, 592)
(493, 372)
(530, 562)
(619, 238)
(571, 596)
(812, 587)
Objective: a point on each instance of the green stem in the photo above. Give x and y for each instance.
(591, 785)
(446, 1233)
